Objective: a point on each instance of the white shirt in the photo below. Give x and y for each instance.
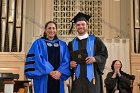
(83, 36)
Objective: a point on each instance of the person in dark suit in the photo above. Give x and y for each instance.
(118, 81)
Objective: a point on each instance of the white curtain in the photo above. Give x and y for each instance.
(117, 49)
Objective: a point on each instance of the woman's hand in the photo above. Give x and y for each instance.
(117, 71)
(52, 73)
(56, 75)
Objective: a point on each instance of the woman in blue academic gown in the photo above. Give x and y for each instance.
(47, 62)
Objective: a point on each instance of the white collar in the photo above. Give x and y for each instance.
(83, 36)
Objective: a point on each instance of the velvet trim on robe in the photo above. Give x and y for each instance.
(37, 66)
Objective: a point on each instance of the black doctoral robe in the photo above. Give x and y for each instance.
(121, 83)
(82, 84)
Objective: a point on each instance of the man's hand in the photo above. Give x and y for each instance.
(90, 60)
(73, 64)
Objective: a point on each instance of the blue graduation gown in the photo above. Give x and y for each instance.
(37, 66)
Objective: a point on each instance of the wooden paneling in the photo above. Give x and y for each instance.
(12, 63)
(135, 68)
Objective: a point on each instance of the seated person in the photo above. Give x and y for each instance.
(118, 81)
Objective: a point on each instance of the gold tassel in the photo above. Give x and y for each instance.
(74, 77)
(94, 80)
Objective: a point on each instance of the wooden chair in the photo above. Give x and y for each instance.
(6, 77)
(9, 83)
(132, 78)
(139, 85)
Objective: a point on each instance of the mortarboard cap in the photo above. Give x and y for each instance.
(79, 56)
(79, 17)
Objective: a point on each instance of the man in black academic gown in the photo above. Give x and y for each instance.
(88, 58)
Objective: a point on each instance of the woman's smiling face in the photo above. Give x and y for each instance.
(51, 31)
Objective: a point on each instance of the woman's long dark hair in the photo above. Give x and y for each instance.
(113, 62)
(132, 77)
(46, 25)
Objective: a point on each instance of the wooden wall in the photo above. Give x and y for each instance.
(12, 63)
